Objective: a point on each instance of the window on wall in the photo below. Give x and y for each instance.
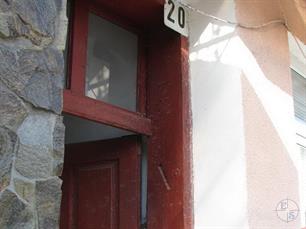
(299, 96)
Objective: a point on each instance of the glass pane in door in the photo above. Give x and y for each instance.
(111, 71)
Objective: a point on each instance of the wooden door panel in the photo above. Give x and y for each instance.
(97, 197)
(101, 183)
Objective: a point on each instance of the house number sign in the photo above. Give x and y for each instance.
(175, 17)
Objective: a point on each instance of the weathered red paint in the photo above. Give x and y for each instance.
(141, 79)
(143, 14)
(101, 185)
(169, 145)
(101, 112)
(78, 49)
(166, 87)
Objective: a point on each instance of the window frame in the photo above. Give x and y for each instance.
(300, 134)
(299, 123)
(74, 95)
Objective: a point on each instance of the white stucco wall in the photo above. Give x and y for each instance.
(245, 159)
(220, 195)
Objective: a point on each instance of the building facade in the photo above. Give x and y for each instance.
(110, 119)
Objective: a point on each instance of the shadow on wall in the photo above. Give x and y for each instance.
(225, 64)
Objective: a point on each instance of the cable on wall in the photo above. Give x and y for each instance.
(240, 25)
(237, 24)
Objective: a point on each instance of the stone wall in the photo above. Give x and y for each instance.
(32, 39)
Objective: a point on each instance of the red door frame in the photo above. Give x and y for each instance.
(170, 184)
(167, 119)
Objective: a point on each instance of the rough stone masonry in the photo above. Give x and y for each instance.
(32, 40)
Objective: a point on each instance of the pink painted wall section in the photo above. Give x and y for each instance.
(245, 160)
(294, 12)
(271, 175)
(270, 50)
(271, 159)
(256, 12)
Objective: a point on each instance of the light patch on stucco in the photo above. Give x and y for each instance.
(220, 197)
(233, 52)
(219, 56)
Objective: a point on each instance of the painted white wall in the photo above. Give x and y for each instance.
(245, 159)
(220, 194)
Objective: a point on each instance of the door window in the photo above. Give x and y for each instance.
(106, 72)
(111, 70)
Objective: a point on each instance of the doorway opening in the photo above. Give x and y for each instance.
(105, 176)
(136, 59)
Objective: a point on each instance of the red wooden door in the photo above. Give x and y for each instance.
(101, 185)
